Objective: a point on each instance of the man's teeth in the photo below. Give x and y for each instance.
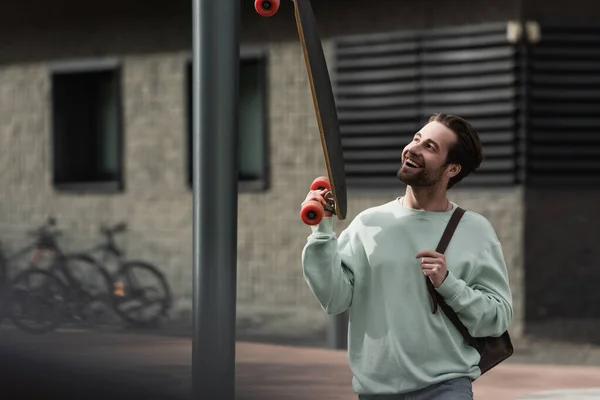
(411, 164)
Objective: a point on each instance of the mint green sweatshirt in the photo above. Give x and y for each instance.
(395, 343)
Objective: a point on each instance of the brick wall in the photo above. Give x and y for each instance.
(156, 203)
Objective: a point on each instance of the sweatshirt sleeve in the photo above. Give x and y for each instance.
(328, 264)
(484, 305)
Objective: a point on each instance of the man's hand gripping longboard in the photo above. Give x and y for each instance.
(319, 202)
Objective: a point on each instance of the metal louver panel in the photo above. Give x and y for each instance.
(564, 98)
(377, 87)
(387, 86)
(471, 73)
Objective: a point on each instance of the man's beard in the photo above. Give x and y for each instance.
(424, 177)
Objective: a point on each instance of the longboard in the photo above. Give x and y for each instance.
(325, 109)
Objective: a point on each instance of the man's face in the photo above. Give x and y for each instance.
(424, 159)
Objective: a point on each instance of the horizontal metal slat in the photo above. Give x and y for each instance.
(581, 29)
(373, 182)
(564, 166)
(543, 136)
(474, 110)
(495, 151)
(477, 179)
(483, 125)
(469, 82)
(559, 122)
(376, 76)
(373, 129)
(469, 55)
(378, 115)
(470, 96)
(480, 68)
(372, 168)
(497, 137)
(566, 109)
(383, 142)
(564, 94)
(496, 165)
(564, 79)
(485, 28)
(493, 124)
(377, 62)
(568, 38)
(375, 38)
(560, 65)
(554, 179)
(377, 102)
(378, 89)
(461, 43)
(378, 49)
(559, 52)
(373, 155)
(565, 150)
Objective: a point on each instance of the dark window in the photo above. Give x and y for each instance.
(87, 133)
(252, 127)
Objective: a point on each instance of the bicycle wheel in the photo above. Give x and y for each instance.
(143, 294)
(91, 288)
(37, 301)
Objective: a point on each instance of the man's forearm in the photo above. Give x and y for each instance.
(485, 304)
(324, 268)
(483, 312)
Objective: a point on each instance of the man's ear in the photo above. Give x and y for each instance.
(453, 170)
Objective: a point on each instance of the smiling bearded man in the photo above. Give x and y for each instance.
(398, 348)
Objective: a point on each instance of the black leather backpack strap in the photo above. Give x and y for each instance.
(441, 248)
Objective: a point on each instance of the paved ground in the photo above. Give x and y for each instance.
(579, 394)
(89, 365)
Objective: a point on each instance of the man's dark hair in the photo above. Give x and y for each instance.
(466, 151)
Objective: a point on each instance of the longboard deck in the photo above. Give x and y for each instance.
(324, 102)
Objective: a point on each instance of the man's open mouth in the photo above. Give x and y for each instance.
(412, 163)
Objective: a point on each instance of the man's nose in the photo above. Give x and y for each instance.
(414, 150)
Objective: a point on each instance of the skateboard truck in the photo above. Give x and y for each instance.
(330, 202)
(312, 212)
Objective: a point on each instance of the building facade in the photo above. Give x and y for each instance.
(95, 128)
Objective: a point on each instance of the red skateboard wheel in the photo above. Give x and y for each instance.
(266, 8)
(312, 213)
(320, 183)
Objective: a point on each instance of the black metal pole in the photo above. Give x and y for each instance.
(215, 109)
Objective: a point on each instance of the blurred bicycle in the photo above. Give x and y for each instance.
(34, 299)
